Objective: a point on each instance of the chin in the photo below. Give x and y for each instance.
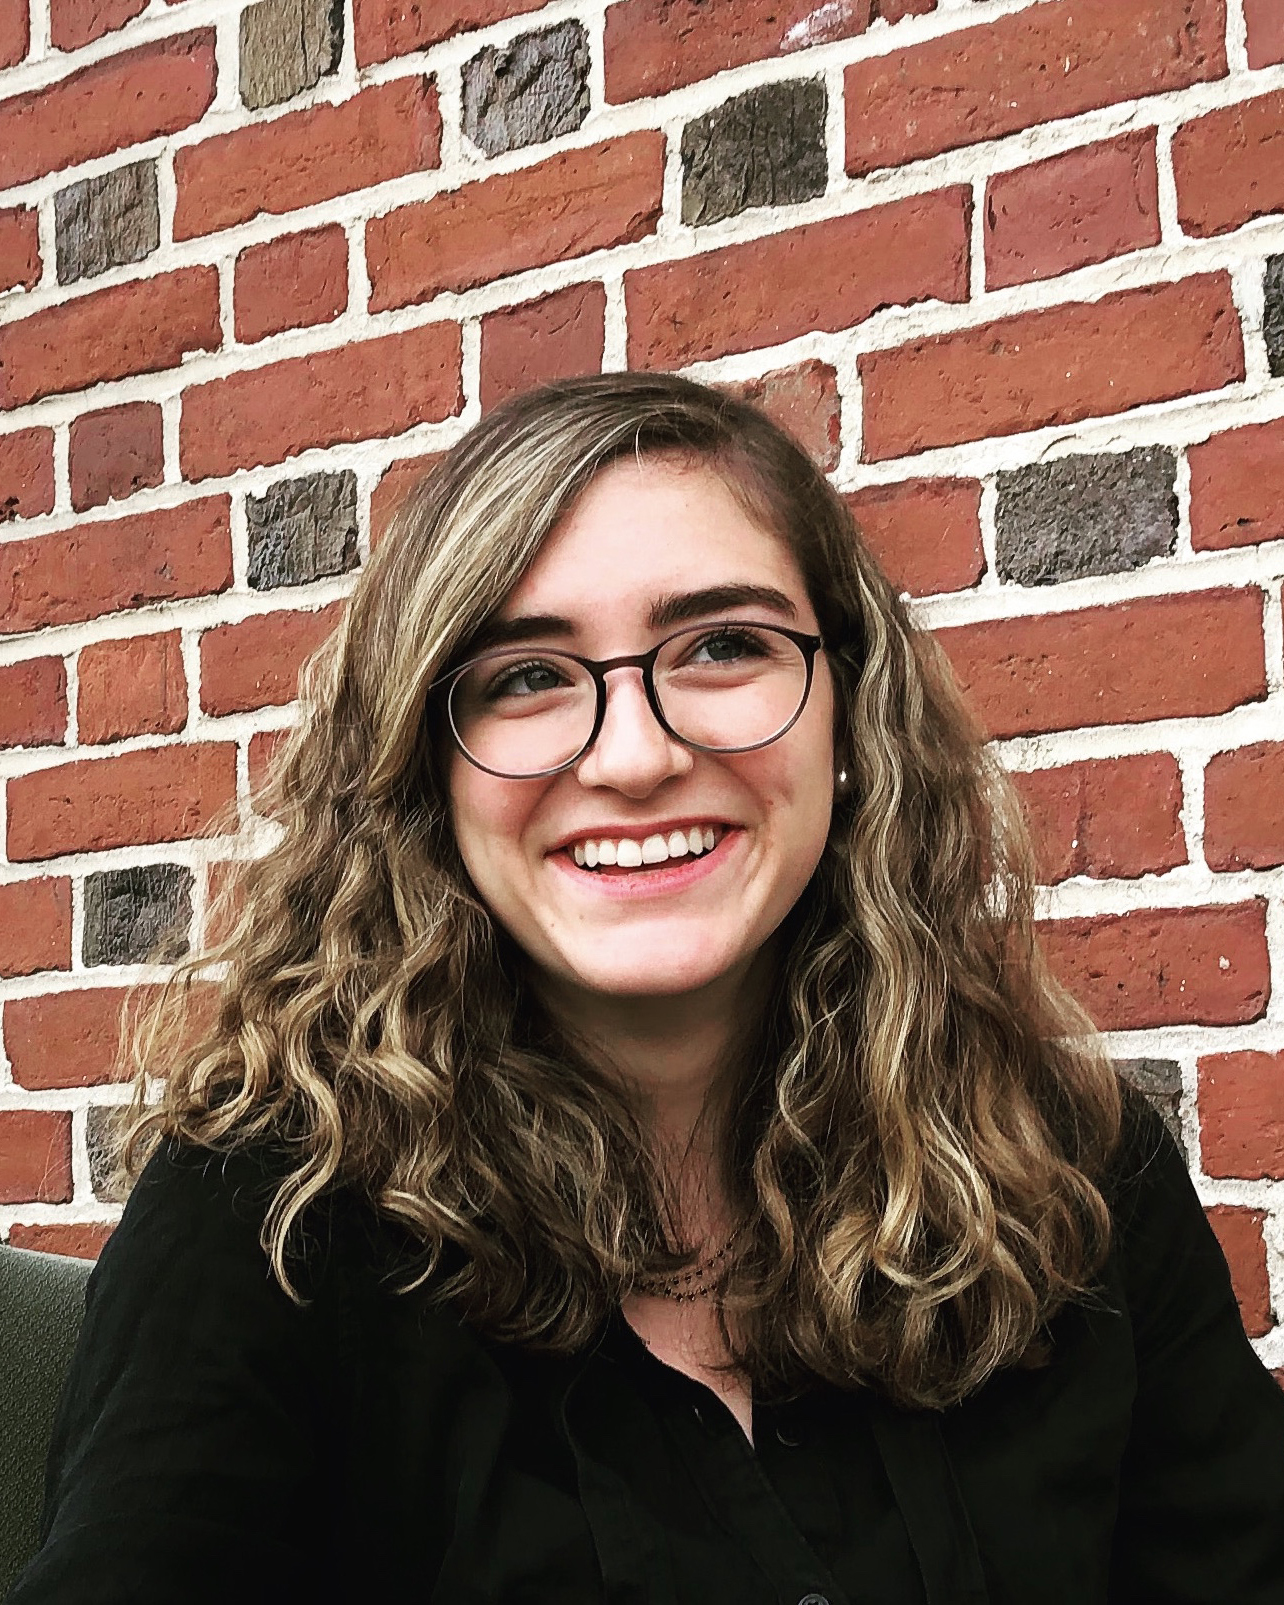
(634, 977)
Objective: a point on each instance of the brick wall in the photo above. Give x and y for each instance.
(1012, 269)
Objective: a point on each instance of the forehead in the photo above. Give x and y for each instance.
(646, 528)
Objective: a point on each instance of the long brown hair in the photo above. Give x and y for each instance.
(925, 1117)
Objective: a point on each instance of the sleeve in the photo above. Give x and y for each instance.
(1201, 1517)
(188, 1457)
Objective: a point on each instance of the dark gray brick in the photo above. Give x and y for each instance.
(1159, 1081)
(764, 148)
(131, 914)
(287, 46)
(103, 1133)
(1274, 326)
(302, 529)
(105, 221)
(1086, 515)
(532, 89)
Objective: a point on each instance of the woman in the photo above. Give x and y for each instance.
(636, 1153)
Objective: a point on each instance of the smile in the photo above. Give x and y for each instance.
(625, 852)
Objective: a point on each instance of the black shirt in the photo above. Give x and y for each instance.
(218, 1443)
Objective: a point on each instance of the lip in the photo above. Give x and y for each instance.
(638, 831)
(675, 876)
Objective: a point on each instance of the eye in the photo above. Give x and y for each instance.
(727, 645)
(528, 679)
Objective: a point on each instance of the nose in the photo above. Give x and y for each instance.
(633, 753)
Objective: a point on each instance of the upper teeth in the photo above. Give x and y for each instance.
(628, 853)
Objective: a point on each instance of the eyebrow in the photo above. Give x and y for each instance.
(678, 607)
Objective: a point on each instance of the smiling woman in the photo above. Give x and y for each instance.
(637, 1153)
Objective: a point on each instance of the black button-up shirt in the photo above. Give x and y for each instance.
(216, 1443)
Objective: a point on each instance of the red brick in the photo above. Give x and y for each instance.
(132, 687)
(653, 46)
(66, 1039)
(264, 747)
(256, 663)
(77, 1239)
(33, 702)
(35, 926)
(116, 452)
(26, 474)
(73, 23)
(35, 1156)
(1057, 366)
(553, 338)
(19, 246)
(15, 31)
(1110, 818)
(924, 533)
(1072, 210)
(1241, 1115)
(1244, 808)
(117, 102)
(1163, 657)
(291, 283)
(307, 156)
(399, 479)
(109, 564)
(829, 275)
(161, 794)
(1239, 1231)
(1229, 166)
(1165, 966)
(1265, 32)
(1045, 62)
(1237, 488)
(357, 392)
(387, 28)
(139, 327)
(573, 203)
(804, 400)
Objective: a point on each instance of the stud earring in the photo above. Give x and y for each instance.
(842, 777)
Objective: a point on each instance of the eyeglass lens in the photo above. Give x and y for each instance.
(524, 711)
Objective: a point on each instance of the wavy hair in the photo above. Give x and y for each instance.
(925, 1116)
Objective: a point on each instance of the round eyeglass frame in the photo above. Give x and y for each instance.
(599, 668)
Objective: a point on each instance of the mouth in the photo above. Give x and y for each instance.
(644, 854)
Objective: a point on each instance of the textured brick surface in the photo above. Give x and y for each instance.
(1241, 1105)
(33, 702)
(307, 156)
(131, 687)
(20, 264)
(1107, 818)
(73, 23)
(115, 452)
(105, 221)
(1072, 210)
(119, 101)
(764, 148)
(114, 333)
(387, 28)
(1265, 32)
(1169, 966)
(994, 79)
(79, 1239)
(302, 529)
(66, 1039)
(531, 89)
(26, 474)
(103, 1130)
(287, 46)
(553, 337)
(1244, 807)
(357, 392)
(828, 275)
(805, 401)
(1229, 166)
(1239, 1231)
(925, 533)
(1053, 367)
(573, 203)
(15, 31)
(291, 283)
(131, 914)
(1273, 287)
(1237, 488)
(35, 1156)
(35, 925)
(399, 479)
(117, 563)
(1075, 516)
(1157, 658)
(159, 794)
(255, 664)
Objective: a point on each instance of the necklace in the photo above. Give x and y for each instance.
(696, 1282)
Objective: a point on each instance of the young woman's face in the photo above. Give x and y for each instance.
(647, 539)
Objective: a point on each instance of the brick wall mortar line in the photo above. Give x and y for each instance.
(1187, 886)
(1192, 764)
(976, 247)
(38, 47)
(1171, 235)
(71, 665)
(193, 852)
(470, 372)
(171, 412)
(1237, 46)
(166, 197)
(1203, 735)
(851, 410)
(835, 128)
(358, 274)
(989, 521)
(1183, 548)
(615, 343)
(189, 647)
(1274, 633)
(1249, 295)
(62, 472)
(44, 67)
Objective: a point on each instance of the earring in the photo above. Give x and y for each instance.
(842, 777)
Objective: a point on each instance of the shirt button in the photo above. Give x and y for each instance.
(813, 1599)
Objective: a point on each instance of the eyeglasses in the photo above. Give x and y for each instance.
(523, 713)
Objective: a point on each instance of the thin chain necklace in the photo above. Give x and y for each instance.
(697, 1281)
